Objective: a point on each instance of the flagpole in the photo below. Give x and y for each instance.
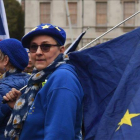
(109, 31)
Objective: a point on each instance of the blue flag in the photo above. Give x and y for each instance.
(101, 70)
(121, 118)
(74, 45)
(4, 32)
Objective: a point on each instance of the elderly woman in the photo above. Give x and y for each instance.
(13, 60)
(51, 107)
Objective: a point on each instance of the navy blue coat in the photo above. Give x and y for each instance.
(17, 80)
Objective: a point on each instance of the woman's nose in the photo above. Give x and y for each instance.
(38, 51)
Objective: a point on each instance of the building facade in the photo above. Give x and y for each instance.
(76, 16)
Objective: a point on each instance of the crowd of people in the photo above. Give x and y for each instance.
(50, 107)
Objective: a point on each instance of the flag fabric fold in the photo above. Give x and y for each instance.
(74, 45)
(101, 70)
(4, 33)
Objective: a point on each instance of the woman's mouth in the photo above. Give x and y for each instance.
(40, 60)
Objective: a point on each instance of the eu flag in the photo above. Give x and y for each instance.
(104, 72)
(121, 118)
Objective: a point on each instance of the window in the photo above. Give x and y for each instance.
(101, 13)
(44, 12)
(129, 10)
(73, 13)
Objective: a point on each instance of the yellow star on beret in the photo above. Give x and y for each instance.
(57, 28)
(45, 26)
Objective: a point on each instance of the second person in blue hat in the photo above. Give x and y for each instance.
(13, 60)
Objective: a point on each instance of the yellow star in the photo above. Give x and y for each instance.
(45, 26)
(34, 29)
(57, 28)
(127, 119)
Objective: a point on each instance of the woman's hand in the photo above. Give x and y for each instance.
(12, 97)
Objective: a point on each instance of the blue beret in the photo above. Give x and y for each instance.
(45, 29)
(18, 56)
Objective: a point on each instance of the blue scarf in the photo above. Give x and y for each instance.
(23, 104)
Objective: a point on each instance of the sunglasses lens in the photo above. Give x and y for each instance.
(45, 47)
(33, 48)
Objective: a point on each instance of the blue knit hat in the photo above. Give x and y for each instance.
(18, 56)
(45, 29)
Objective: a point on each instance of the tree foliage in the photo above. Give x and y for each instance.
(15, 18)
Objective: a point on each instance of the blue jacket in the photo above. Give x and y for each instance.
(17, 81)
(56, 113)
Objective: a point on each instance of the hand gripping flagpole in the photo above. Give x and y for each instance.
(109, 30)
(4, 101)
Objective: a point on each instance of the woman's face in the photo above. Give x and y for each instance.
(30, 65)
(42, 59)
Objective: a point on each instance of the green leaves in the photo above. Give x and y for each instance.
(15, 18)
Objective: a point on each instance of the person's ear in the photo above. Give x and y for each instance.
(62, 49)
(6, 60)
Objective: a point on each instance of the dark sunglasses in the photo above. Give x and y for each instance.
(44, 47)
